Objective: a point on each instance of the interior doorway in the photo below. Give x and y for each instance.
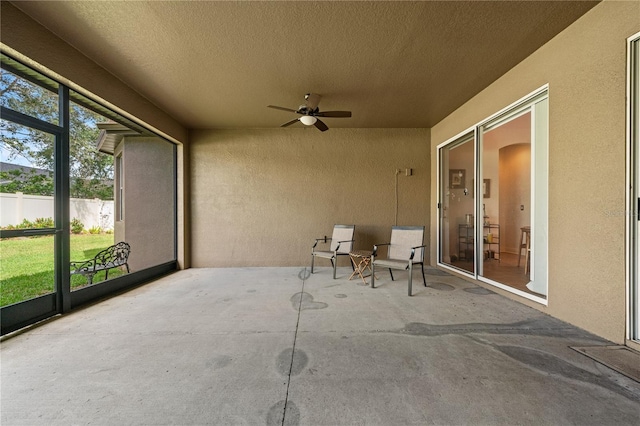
(506, 202)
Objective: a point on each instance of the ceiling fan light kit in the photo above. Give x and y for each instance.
(308, 120)
(310, 113)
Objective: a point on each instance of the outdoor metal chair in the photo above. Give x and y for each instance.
(405, 250)
(341, 244)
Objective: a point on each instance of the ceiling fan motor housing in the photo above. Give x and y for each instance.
(311, 111)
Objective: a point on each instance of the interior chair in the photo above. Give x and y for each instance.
(403, 252)
(525, 244)
(341, 243)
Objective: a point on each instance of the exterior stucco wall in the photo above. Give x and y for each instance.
(585, 68)
(261, 197)
(118, 223)
(149, 202)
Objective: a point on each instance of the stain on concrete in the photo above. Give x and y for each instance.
(550, 364)
(441, 286)
(279, 415)
(430, 271)
(481, 291)
(540, 361)
(221, 361)
(228, 299)
(542, 326)
(340, 296)
(410, 363)
(286, 364)
(251, 291)
(332, 285)
(304, 274)
(305, 301)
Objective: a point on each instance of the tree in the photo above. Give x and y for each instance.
(33, 183)
(91, 172)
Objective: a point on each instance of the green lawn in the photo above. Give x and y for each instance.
(26, 265)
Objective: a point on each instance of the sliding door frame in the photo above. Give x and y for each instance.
(633, 191)
(527, 102)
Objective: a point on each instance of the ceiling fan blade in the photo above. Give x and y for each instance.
(289, 123)
(312, 100)
(334, 114)
(320, 125)
(281, 108)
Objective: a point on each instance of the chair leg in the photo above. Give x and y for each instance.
(334, 264)
(391, 272)
(424, 280)
(410, 276)
(312, 259)
(373, 275)
(520, 246)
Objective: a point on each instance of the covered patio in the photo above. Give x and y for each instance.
(281, 346)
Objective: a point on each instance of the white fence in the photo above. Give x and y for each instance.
(14, 208)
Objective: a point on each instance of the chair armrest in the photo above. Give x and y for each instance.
(375, 248)
(413, 251)
(83, 265)
(343, 241)
(323, 239)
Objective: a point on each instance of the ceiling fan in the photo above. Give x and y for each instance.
(310, 113)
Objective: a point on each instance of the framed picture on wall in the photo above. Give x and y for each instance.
(486, 188)
(456, 178)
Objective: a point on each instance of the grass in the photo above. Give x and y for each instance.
(26, 265)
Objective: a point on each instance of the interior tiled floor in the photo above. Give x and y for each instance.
(504, 270)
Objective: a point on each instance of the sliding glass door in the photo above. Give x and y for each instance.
(493, 199)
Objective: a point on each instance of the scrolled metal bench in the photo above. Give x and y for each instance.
(114, 256)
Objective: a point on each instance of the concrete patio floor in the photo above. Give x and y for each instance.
(275, 346)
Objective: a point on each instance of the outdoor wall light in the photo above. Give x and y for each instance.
(308, 120)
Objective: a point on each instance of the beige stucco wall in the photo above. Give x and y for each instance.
(260, 197)
(585, 69)
(149, 202)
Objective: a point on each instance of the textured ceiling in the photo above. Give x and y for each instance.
(393, 64)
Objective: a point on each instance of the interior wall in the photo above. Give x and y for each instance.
(585, 68)
(261, 197)
(517, 130)
(490, 172)
(515, 185)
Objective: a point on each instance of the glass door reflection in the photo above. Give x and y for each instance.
(456, 212)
